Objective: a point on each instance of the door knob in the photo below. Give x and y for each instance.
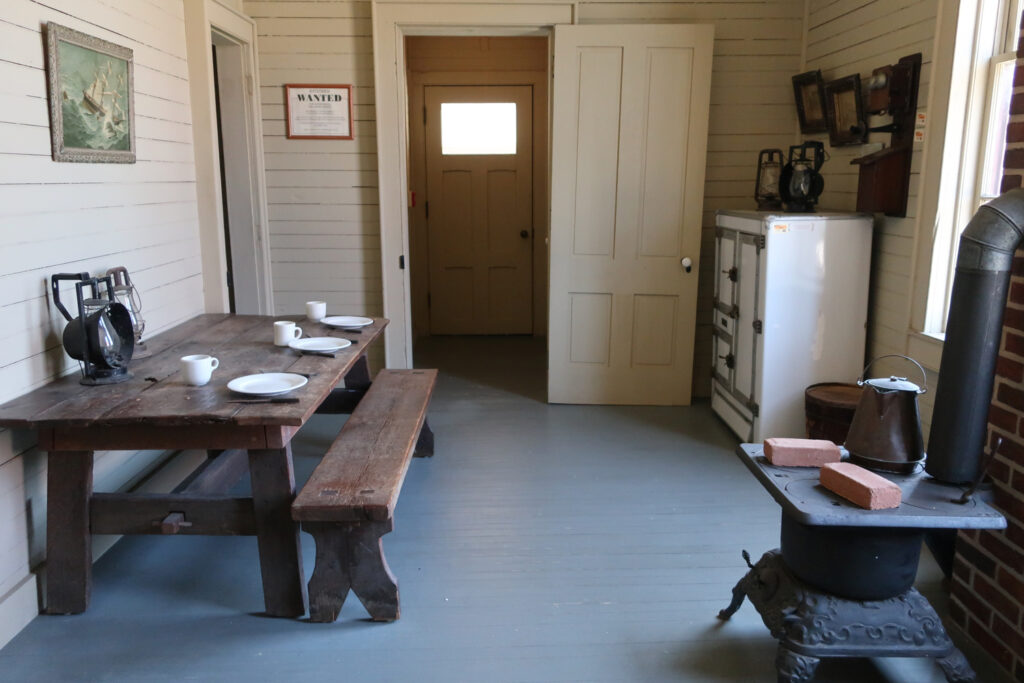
(686, 263)
(524, 234)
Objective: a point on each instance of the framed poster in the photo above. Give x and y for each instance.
(318, 112)
(92, 97)
(809, 91)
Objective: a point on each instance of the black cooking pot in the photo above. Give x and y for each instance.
(859, 563)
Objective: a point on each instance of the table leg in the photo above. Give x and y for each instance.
(68, 539)
(273, 489)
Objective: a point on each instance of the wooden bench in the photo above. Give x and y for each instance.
(349, 500)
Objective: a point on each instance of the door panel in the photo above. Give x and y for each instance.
(480, 222)
(628, 155)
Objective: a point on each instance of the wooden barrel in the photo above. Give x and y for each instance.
(829, 408)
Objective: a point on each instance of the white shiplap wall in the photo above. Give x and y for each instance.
(322, 194)
(71, 217)
(323, 200)
(856, 36)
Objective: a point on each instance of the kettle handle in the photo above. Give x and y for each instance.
(924, 375)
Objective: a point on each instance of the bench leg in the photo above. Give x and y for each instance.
(425, 442)
(351, 556)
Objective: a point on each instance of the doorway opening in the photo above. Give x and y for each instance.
(247, 270)
(478, 181)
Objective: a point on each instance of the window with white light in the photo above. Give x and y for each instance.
(478, 128)
(978, 116)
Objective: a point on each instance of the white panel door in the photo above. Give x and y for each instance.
(629, 136)
(480, 208)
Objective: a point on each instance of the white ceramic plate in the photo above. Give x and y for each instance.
(267, 383)
(320, 344)
(347, 321)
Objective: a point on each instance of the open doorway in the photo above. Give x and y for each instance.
(478, 179)
(247, 275)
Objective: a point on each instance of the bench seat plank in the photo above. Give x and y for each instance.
(361, 475)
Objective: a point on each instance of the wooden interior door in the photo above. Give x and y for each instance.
(629, 136)
(480, 218)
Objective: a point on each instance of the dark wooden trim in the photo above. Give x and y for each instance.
(341, 402)
(142, 436)
(68, 541)
(273, 489)
(217, 474)
(358, 377)
(143, 513)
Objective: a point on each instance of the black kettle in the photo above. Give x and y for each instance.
(885, 434)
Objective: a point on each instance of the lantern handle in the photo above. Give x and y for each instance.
(924, 375)
(55, 289)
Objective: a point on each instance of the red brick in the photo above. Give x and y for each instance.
(999, 470)
(1014, 317)
(961, 569)
(1015, 534)
(1002, 654)
(1018, 75)
(1007, 501)
(958, 614)
(1017, 107)
(1010, 182)
(1014, 344)
(974, 606)
(1015, 132)
(1011, 449)
(999, 601)
(995, 543)
(783, 452)
(1010, 369)
(1003, 419)
(1018, 264)
(1008, 634)
(975, 557)
(1010, 396)
(860, 486)
(1011, 584)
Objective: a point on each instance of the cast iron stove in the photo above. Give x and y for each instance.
(842, 583)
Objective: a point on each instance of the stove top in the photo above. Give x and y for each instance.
(927, 504)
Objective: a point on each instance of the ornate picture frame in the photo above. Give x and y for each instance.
(809, 92)
(844, 107)
(92, 97)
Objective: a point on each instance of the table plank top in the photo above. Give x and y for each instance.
(157, 395)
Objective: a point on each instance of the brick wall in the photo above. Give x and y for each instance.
(988, 573)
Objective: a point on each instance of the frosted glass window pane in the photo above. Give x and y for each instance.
(478, 128)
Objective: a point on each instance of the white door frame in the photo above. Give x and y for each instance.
(392, 21)
(202, 19)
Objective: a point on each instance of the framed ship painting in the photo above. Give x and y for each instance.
(92, 99)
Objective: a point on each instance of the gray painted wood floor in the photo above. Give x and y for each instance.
(541, 543)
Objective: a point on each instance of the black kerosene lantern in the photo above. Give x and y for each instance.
(101, 337)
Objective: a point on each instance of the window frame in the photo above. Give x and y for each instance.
(967, 136)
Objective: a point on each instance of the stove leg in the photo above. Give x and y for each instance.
(737, 599)
(794, 668)
(956, 668)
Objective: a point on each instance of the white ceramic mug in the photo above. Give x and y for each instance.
(316, 310)
(285, 331)
(198, 368)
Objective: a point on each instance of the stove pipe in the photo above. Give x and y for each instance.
(973, 329)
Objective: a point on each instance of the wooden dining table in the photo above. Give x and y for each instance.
(156, 409)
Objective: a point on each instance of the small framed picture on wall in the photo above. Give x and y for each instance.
(318, 112)
(809, 91)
